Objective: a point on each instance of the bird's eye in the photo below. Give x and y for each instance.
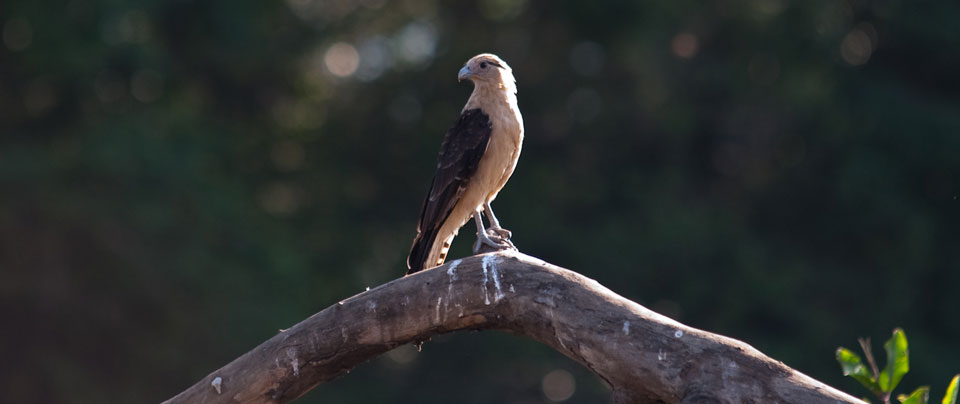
(483, 65)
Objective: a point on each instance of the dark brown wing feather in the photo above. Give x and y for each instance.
(463, 146)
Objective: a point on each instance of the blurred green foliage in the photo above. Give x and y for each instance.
(179, 179)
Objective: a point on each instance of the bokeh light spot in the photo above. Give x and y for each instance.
(279, 199)
(17, 34)
(558, 385)
(375, 58)
(833, 17)
(130, 27)
(417, 43)
(305, 10)
(684, 45)
(856, 47)
(587, 58)
(341, 59)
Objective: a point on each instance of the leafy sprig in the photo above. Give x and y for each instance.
(882, 382)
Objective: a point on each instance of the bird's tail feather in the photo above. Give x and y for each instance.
(424, 254)
(445, 247)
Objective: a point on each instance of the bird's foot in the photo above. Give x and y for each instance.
(503, 233)
(493, 240)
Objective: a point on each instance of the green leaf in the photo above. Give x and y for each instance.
(919, 396)
(951, 396)
(852, 366)
(898, 361)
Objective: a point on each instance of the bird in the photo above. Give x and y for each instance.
(477, 156)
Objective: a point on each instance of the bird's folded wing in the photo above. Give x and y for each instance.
(460, 153)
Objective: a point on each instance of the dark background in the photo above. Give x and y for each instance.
(180, 179)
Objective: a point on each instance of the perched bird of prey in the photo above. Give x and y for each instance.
(477, 157)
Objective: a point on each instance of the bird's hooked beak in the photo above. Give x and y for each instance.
(464, 73)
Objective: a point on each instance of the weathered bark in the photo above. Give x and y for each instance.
(644, 356)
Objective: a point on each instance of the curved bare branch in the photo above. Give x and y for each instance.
(644, 356)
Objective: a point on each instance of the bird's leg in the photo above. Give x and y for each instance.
(492, 240)
(495, 224)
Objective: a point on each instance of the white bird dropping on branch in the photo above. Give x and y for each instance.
(216, 383)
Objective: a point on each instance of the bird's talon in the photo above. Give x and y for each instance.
(491, 241)
(501, 232)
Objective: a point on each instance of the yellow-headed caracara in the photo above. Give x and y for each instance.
(477, 156)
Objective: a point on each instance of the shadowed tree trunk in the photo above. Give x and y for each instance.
(644, 356)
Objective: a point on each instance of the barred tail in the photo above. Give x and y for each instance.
(441, 254)
(427, 252)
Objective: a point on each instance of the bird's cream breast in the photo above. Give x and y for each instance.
(503, 150)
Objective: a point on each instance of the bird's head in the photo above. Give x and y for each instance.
(487, 69)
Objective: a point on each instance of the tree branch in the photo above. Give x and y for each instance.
(644, 356)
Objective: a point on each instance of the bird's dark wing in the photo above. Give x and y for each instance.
(463, 146)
